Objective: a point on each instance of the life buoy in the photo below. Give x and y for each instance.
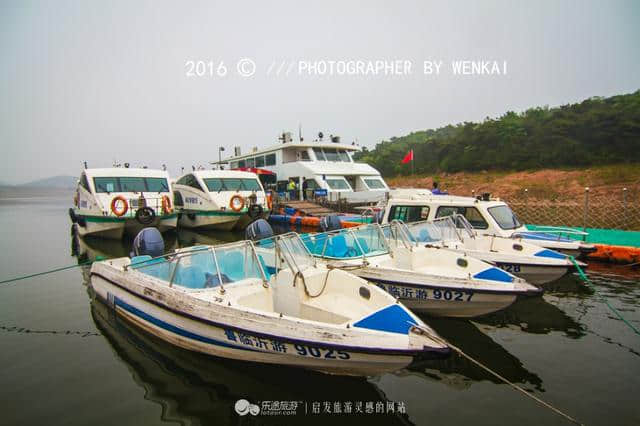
(236, 203)
(269, 202)
(114, 207)
(166, 205)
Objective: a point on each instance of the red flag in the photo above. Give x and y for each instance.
(408, 157)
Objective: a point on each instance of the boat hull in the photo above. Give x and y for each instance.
(226, 341)
(441, 300)
(535, 274)
(209, 220)
(115, 228)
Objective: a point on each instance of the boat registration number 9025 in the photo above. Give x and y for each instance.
(321, 353)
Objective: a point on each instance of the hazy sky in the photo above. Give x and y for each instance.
(104, 81)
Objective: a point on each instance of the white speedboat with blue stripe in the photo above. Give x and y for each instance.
(223, 301)
(533, 263)
(428, 279)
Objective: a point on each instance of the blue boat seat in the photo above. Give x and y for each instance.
(337, 247)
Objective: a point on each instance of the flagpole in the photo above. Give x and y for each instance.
(412, 172)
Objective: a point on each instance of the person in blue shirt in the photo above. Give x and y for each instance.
(436, 191)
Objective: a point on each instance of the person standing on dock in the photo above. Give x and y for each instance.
(291, 187)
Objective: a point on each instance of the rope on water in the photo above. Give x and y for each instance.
(51, 271)
(441, 340)
(589, 284)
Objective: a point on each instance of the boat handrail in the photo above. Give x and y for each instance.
(401, 228)
(555, 230)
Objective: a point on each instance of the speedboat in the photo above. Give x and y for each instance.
(425, 278)
(533, 263)
(220, 199)
(488, 216)
(223, 301)
(110, 202)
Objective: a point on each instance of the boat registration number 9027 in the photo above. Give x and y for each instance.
(424, 294)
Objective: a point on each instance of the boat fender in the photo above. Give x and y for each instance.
(148, 241)
(258, 230)
(145, 215)
(236, 203)
(254, 211)
(166, 205)
(114, 206)
(330, 223)
(72, 215)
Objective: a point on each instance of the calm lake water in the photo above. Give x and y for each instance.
(67, 360)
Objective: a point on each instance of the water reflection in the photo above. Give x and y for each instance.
(198, 389)
(535, 315)
(460, 373)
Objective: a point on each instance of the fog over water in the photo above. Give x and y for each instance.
(104, 81)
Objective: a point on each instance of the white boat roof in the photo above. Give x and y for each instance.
(343, 146)
(416, 196)
(125, 172)
(205, 174)
(338, 168)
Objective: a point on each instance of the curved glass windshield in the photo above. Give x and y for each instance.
(130, 184)
(505, 217)
(232, 184)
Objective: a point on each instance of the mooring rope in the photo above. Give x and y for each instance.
(24, 277)
(589, 284)
(442, 340)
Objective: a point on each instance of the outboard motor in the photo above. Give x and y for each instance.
(330, 223)
(258, 230)
(148, 241)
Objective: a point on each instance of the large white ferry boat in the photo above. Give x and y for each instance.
(111, 201)
(320, 166)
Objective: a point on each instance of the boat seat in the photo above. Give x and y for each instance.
(212, 280)
(337, 247)
(424, 236)
(189, 277)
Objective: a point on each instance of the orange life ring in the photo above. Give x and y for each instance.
(232, 204)
(166, 205)
(269, 202)
(124, 209)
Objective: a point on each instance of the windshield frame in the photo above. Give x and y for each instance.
(518, 224)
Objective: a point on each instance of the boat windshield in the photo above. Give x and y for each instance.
(347, 243)
(337, 183)
(374, 183)
(282, 252)
(130, 184)
(231, 184)
(442, 229)
(505, 217)
(203, 267)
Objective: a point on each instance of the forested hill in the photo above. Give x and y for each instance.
(594, 132)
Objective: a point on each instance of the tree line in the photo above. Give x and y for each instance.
(595, 131)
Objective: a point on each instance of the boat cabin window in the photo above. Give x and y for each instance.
(251, 162)
(242, 163)
(319, 154)
(408, 213)
(344, 156)
(374, 183)
(130, 184)
(331, 154)
(337, 183)
(232, 184)
(259, 161)
(304, 155)
(270, 159)
(470, 213)
(190, 180)
(505, 217)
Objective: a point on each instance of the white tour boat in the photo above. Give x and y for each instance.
(111, 201)
(531, 262)
(320, 167)
(219, 199)
(487, 216)
(222, 301)
(427, 279)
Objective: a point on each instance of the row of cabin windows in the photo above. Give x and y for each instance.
(416, 213)
(259, 161)
(221, 184)
(127, 184)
